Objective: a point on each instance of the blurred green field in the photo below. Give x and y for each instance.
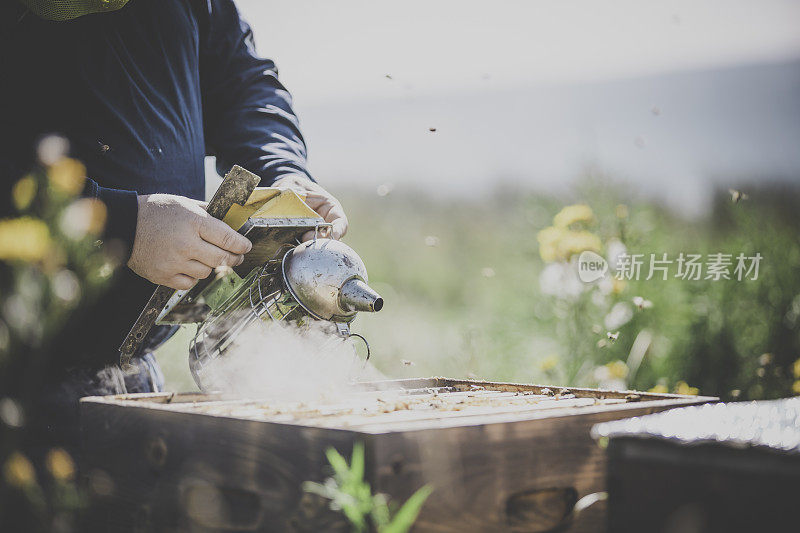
(464, 298)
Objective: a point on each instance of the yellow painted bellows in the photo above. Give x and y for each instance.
(269, 202)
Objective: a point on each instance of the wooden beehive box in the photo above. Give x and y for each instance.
(500, 457)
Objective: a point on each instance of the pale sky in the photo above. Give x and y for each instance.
(334, 50)
(495, 79)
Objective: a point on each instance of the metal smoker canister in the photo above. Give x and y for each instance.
(322, 279)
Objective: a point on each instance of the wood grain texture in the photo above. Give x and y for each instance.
(176, 470)
(184, 472)
(476, 470)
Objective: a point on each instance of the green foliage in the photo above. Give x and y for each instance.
(469, 303)
(352, 496)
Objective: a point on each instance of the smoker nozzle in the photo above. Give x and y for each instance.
(356, 295)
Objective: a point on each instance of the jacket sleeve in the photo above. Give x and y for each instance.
(248, 116)
(123, 211)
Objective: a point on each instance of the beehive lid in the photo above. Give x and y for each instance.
(773, 425)
(402, 405)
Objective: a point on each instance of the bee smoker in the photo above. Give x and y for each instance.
(319, 280)
(281, 279)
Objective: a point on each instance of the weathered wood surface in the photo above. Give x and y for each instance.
(174, 469)
(709, 487)
(183, 472)
(478, 471)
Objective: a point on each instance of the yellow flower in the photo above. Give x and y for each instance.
(548, 363)
(18, 471)
(659, 389)
(24, 239)
(683, 388)
(617, 369)
(796, 387)
(60, 464)
(548, 243)
(572, 214)
(575, 242)
(796, 369)
(559, 244)
(67, 175)
(24, 192)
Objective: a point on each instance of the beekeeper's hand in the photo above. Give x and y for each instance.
(177, 242)
(320, 201)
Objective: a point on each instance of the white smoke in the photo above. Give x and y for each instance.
(269, 360)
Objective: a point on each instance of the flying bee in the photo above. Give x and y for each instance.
(737, 196)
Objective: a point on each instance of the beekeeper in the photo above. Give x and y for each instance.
(144, 90)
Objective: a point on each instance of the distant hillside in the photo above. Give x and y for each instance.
(673, 135)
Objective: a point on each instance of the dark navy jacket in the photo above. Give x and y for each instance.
(143, 94)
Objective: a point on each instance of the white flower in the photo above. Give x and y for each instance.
(614, 249)
(606, 285)
(561, 279)
(619, 315)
